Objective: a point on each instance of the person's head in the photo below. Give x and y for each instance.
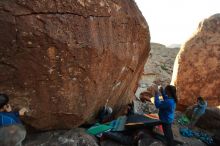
(3, 100)
(200, 99)
(171, 92)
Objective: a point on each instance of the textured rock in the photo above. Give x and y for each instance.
(144, 107)
(63, 59)
(74, 137)
(197, 66)
(158, 68)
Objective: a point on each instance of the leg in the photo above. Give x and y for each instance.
(194, 120)
(168, 133)
(21, 135)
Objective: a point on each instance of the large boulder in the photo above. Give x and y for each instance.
(197, 66)
(64, 59)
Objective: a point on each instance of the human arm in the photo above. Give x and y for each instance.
(159, 104)
(22, 111)
(156, 100)
(162, 91)
(156, 95)
(194, 106)
(202, 104)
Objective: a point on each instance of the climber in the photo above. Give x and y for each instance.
(166, 110)
(198, 111)
(12, 132)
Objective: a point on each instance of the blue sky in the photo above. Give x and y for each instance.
(174, 21)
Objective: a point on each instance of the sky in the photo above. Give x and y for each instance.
(175, 21)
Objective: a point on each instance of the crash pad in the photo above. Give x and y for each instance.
(118, 124)
(98, 128)
(136, 121)
(152, 116)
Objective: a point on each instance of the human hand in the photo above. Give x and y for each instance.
(7, 108)
(22, 111)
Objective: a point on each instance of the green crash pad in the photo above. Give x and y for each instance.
(98, 128)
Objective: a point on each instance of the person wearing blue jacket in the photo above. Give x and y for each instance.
(198, 110)
(167, 110)
(12, 132)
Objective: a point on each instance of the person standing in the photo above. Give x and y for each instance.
(167, 110)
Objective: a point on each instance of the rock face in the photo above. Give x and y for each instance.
(73, 137)
(197, 66)
(63, 59)
(159, 66)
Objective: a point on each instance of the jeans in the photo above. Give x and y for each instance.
(168, 133)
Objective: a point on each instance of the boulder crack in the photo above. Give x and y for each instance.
(62, 13)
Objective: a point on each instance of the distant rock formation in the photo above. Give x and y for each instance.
(64, 59)
(158, 68)
(174, 46)
(197, 66)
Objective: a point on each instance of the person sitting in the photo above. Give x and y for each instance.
(167, 110)
(198, 110)
(12, 132)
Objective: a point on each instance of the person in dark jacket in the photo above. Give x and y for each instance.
(12, 132)
(198, 110)
(167, 110)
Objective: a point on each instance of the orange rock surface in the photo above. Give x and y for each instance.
(63, 59)
(197, 66)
